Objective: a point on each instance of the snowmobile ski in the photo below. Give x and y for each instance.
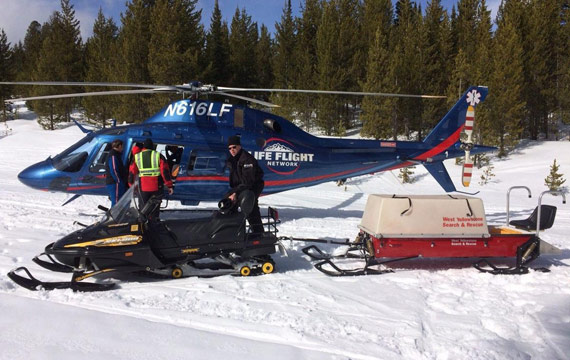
(33, 284)
(52, 264)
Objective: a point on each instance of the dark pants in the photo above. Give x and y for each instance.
(254, 217)
(145, 195)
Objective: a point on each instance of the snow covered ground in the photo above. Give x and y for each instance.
(297, 312)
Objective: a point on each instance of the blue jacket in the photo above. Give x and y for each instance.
(115, 170)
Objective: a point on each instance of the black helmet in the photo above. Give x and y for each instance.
(148, 144)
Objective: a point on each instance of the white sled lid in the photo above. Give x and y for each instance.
(424, 216)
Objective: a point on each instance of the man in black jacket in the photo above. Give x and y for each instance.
(245, 174)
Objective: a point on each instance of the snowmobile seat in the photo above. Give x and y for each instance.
(220, 227)
(547, 215)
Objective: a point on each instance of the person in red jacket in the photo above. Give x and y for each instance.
(153, 172)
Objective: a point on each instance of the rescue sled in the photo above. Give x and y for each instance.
(397, 228)
(128, 239)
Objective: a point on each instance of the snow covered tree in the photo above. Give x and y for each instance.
(554, 180)
(406, 174)
(487, 175)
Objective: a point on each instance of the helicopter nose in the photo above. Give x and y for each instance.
(37, 176)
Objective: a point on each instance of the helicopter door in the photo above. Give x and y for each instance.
(207, 172)
(173, 155)
(100, 159)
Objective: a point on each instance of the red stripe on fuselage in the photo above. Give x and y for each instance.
(202, 178)
(84, 187)
(441, 146)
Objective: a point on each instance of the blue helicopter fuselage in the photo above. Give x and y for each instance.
(290, 157)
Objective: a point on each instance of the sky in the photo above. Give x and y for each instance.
(16, 15)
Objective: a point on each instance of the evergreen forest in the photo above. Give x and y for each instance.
(346, 45)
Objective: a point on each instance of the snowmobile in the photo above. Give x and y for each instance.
(400, 228)
(132, 238)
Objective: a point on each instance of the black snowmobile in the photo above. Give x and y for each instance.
(131, 238)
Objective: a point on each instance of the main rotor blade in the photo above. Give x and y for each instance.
(98, 93)
(260, 102)
(333, 92)
(75, 83)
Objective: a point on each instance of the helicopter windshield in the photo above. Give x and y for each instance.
(73, 158)
(126, 210)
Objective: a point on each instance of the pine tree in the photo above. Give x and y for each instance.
(6, 71)
(327, 65)
(131, 59)
(436, 61)
(407, 57)
(68, 42)
(379, 113)
(217, 50)
(243, 41)
(540, 95)
(46, 70)
(376, 13)
(563, 64)
(507, 103)
(306, 64)
(175, 46)
(32, 47)
(264, 59)
(60, 58)
(483, 70)
(98, 57)
(284, 61)
(464, 32)
(351, 58)
(554, 180)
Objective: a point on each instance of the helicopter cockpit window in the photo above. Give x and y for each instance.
(100, 160)
(206, 162)
(72, 159)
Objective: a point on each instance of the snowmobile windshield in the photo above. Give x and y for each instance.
(126, 210)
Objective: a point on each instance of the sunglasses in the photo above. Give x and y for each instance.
(232, 147)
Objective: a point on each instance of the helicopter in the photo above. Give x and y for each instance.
(192, 133)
